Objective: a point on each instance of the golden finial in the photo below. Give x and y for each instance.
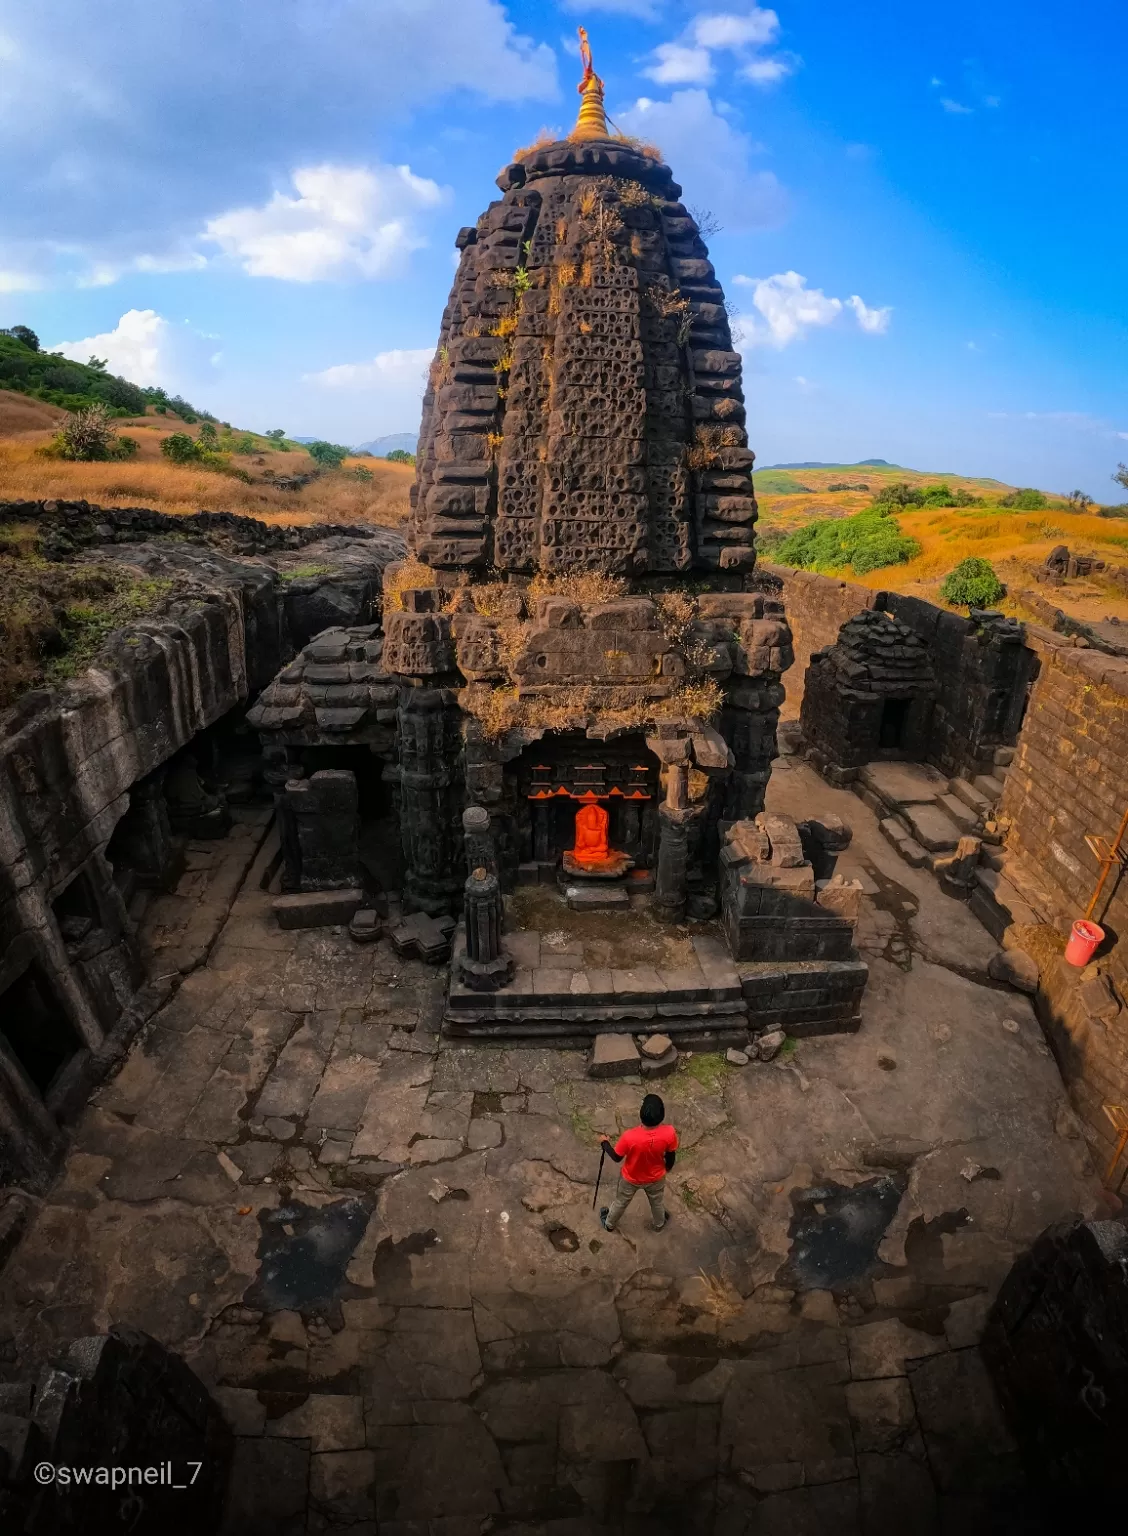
(592, 122)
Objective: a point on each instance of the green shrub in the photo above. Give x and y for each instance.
(328, 455)
(399, 456)
(973, 584)
(867, 541)
(180, 448)
(899, 494)
(87, 435)
(360, 473)
(1025, 500)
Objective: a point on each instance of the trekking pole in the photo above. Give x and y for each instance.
(599, 1175)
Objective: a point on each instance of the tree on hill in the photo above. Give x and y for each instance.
(23, 334)
(1079, 502)
(328, 455)
(1025, 500)
(400, 456)
(1121, 475)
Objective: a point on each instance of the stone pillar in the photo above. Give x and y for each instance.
(326, 829)
(477, 838)
(483, 967)
(542, 828)
(430, 744)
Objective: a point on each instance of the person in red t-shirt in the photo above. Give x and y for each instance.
(647, 1153)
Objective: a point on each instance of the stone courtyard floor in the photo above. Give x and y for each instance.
(377, 1247)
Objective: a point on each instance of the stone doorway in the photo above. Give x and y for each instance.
(894, 719)
(36, 1030)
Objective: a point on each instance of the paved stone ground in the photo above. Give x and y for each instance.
(378, 1247)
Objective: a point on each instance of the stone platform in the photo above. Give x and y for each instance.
(704, 1001)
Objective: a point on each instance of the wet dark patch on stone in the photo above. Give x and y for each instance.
(835, 1233)
(278, 1404)
(485, 1104)
(304, 1253)
(924, 1250)
(392, 1263)
(562, 1238)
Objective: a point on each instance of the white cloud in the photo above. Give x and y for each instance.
(712, 158)
(770, 69)
(675, 64)
(114, 139)
(875, 321)
(786, 309)
(403, 369)
(12, 281)
(147, 349)
(956, 106)
(757, 27)
(344, 222)
(689, 60)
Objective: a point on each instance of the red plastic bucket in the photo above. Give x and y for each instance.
(1084, 939)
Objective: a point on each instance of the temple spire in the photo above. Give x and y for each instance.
(592, 121)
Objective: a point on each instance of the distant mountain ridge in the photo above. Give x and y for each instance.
(382, 446)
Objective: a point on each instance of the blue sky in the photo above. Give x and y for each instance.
(922, 209)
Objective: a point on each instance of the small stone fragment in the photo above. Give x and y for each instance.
(771, 1044)
(737, 1058)
(656, 1045)
(1011, 1026)
(661, 1066)
(365, 926)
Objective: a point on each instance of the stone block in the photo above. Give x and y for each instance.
(904, 783)
(613, 1056)
(964, 817)
(989, 787)
(960, 789)
(1016, 968)
(589, 898)
(660, 1066)
(769, 1045)
(655, 1046)
(317, 909)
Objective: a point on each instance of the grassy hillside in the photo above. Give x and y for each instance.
(1015, 541)
(150, 479)
(49, 377)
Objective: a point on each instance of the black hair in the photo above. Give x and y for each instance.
(653, 1111)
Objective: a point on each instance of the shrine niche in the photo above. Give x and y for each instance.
(587, 809)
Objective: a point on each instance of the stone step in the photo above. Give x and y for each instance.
(989, 787)
(964, 817)
(895, 832)
(970, 796)
(931, 828)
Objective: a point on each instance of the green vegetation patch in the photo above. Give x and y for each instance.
(50, 376)
(54, 617)
(865, 542)
(777, 482)
(972, 584)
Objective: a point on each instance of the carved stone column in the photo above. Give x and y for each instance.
(430, 784)
(676, 826)
(477, 837)
(483, 967)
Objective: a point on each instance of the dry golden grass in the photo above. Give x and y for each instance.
(498, 710)
(151, 480)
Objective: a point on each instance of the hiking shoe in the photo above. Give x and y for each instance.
(664, 1225)
(603, 1209)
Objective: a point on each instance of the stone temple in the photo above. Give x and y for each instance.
(580, 649)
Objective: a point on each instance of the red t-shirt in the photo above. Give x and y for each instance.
(643, 1150)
